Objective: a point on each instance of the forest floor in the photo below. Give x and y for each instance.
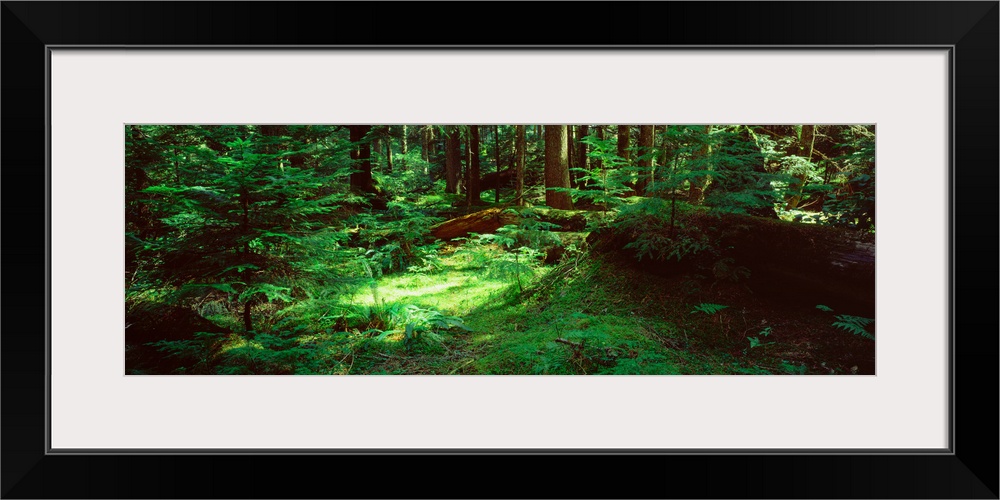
(614, 319)
(587, 314)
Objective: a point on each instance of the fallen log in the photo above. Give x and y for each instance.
(491, 219)
(796, 261)
(482, 222)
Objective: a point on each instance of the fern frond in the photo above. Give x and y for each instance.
(854, 324)
(708, 308)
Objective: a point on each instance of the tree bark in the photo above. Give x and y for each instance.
(496, 160)
(696, 192)
(645, 159)
(519, 146)
(583, 162)
(598, 164)
(402, 161)
(388, 150)
(624, 133)
(361, 152)
(494, 180)
(453, 160)
(425, 143)
(472, 189)
(570, 153)
(431, 144)
(556, 168)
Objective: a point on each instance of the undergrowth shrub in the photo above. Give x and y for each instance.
(397, 238)
(656, 232)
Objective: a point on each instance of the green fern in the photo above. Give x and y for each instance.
(855, 324)
(707, 308)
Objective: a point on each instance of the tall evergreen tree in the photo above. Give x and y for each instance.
(556, 168)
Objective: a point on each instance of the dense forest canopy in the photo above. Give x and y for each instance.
(500, 249)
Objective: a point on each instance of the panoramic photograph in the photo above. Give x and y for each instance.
(453, 249)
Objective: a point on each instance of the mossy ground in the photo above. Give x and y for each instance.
(608, 317)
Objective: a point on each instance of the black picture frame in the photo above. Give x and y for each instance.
(969, 470)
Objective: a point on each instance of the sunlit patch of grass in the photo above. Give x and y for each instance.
(609, 321)
(236, 342)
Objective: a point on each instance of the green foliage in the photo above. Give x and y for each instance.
(531, 231)
(259, 221)
(708, 308)
(656, 234)
(853, 179)
(741, 182)
(516, 265)
(398, 238)
(234, 215)
(792, 369)
(855, 324)
(755, 342)
(606, 185)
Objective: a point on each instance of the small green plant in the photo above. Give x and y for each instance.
(855, 324)
(755, 341)
(707, 308)
(518, 262)
(656, 235)
(794, 369)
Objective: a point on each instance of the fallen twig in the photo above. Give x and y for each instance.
(570, 343)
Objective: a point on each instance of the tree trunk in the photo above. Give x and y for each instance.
(496, 160)
(463, 182)
(623, 142)
(570, 153)
(247, 323)
(519, 146)
(582, 161)
(402, 162)
(376, 147)
(598, 164)
(472, 183)
(425, 143)
(431, 144)
(388, 150)
(556, 168)
(696, 192)
(361, 152)
(645, 159)
(453, 160)
(494, 180)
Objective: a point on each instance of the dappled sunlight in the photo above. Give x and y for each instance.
(499, 249)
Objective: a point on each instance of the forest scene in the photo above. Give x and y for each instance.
(417, 249)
